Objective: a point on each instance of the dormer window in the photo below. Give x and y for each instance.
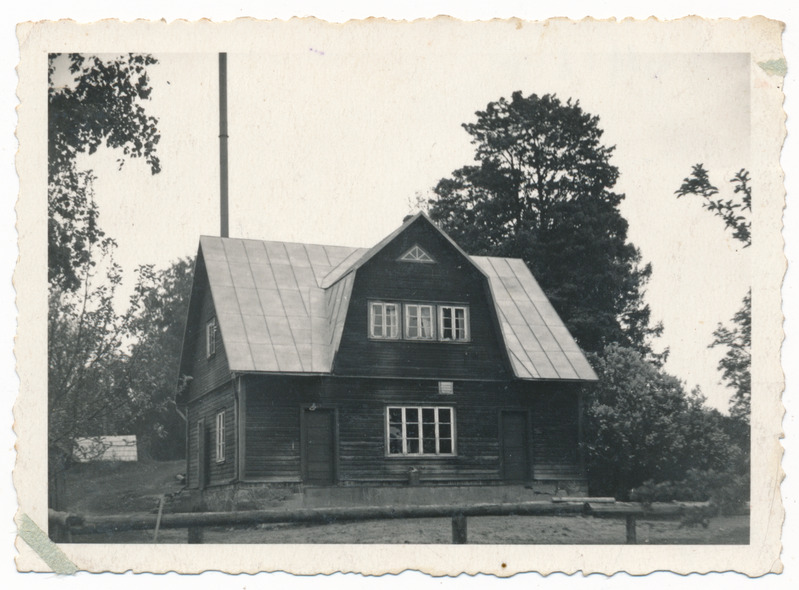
(416, 254)
(419, 324)
(383, 320)
(453, 322)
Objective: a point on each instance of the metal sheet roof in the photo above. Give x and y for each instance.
(539, 344)
(281, 307)
(272, 313)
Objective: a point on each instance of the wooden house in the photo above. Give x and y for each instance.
(407, 363)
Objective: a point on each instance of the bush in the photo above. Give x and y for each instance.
(727, 491)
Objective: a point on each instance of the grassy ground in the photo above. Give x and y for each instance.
(120, 487)
(124, 488)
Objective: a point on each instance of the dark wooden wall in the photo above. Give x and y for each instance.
(207, 373)
(207, 407)
(274, 406)
(451, 279)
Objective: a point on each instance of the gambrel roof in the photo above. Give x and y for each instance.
(281, 307)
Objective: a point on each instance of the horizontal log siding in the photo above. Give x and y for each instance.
(555, 435)
(451, 279)
(208, 407)
(206, 373)
(274, 406)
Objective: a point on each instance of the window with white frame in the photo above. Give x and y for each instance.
(453, 322)
(210, 338)
(420, 430)
(419, 322)
(383, 320)
(220, 437)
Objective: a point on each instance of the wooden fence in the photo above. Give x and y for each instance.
(64, 525)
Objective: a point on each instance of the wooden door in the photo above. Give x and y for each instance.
(515, 448)
(319, 455)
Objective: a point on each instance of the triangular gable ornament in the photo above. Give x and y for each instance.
(416, 254)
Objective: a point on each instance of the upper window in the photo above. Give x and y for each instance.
(220, 437)
(420, 431)
(416, 254)
(210, 338)
(383, 320)
(453, 323)
(419, 323)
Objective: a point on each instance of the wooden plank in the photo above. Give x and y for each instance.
(592, 500)
(459, 533)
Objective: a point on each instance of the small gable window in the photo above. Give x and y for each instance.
(419, 324)
(416, 254)
(453, 323)
(220, 437)
(383, 320)
(210, 338)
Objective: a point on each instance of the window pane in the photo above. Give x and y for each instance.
(391, 321)
(445, 446)
(395, 414)
(395, 446)
(429, 432)
(428, 415)
(412, 430)
(426, 327)
(429, 446)
(444, 431)
(413, 446)
(444, 415)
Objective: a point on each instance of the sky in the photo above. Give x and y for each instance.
(332, 142)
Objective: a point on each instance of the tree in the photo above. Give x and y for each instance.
(542, 191)
(99, 103)
(640, 425)
(736, 364)
(158, 319)
(734, 212)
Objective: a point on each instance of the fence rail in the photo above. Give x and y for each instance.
(64, 525)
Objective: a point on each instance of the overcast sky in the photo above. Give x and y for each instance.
(330, 142)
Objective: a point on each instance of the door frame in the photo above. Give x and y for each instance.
(528, 442)
(333, 412)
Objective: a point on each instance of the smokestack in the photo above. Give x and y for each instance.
(223, 189)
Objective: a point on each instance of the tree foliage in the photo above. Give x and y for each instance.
(542, 191)
(99, 103)
(734, 212)
(736, 364)
(157, 325)
(641, 424)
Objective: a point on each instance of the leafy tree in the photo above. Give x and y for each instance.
(642, 425)
(542, 191)
(99, 103)
(113, 373)
(158, 318)
(736, 364)
(734, 212)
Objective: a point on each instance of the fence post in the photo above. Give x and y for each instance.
(459, 529)
(631, 540)
(196, 532)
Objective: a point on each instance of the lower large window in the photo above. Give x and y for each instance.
(420, 431)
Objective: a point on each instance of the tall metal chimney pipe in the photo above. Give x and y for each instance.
(223, 184)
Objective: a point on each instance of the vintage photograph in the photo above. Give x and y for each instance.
(410, 284)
